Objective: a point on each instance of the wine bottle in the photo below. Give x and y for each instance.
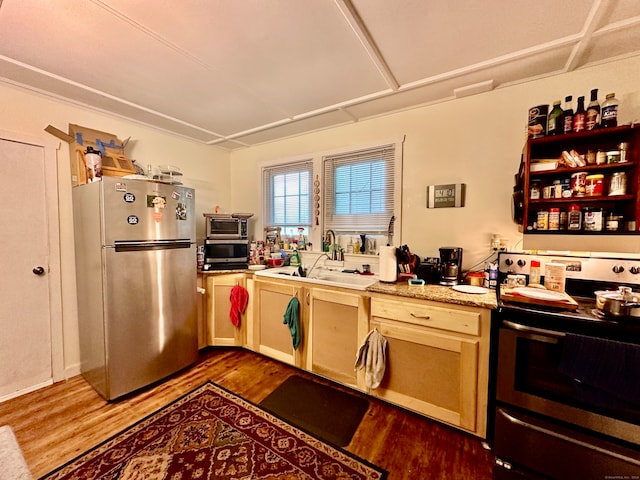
(567, 114)
(580, 117)
(554, 124)
(593, 111)
(610, 111)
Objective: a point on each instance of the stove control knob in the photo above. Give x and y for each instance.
(508, 261)
(618, 269)
(522, 263)
(634, 270)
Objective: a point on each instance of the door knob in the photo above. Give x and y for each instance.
(38, 270)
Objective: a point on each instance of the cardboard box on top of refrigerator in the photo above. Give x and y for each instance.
(115, 163)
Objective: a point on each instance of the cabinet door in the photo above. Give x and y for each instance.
(429, 372)
(271, 336)
(338, 323)
(220, 331)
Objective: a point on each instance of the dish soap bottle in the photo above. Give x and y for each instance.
(295, 259)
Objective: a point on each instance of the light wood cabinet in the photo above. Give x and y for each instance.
(437, 359)
(269, 335)
(338, 323)
(219, 331)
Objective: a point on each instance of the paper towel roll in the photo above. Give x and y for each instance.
(388, 264)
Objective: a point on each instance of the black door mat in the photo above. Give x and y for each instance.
(329, 414)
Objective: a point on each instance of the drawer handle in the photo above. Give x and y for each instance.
(426, 317)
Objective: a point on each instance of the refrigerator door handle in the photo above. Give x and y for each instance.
(138, 245)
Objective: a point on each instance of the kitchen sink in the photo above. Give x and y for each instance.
(322, 277)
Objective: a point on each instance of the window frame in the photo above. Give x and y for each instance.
(318, 227)
(267, 173)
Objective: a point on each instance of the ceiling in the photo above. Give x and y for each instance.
(236, 73)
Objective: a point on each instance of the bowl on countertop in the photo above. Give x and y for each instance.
(275, 262)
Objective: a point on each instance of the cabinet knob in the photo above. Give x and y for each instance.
(425, 317)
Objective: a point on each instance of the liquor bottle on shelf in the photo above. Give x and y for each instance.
(593, 111)
(567, 115)
(555, 125)
(610, 111)
(580, 117)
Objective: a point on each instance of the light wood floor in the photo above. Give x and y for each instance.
(57, 423)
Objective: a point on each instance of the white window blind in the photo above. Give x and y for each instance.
(359, 190)
(287, 194)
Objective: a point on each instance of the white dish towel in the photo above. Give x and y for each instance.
(372, 356)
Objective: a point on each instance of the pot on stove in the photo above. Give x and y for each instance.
(621, 303)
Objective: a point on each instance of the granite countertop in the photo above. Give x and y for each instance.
(436, 293)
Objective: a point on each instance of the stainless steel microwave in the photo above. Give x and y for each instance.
(225, 254)
(227, 227)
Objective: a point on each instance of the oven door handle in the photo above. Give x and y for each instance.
(535, 330)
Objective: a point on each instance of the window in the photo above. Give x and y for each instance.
(287, 191)
(359, 190)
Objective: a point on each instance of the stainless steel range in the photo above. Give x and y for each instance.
(568, 379)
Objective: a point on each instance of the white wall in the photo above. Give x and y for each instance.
(205, 168)
(475, 140)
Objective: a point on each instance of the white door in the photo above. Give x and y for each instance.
(25, 286)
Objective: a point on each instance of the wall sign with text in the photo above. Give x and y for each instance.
(446, 196)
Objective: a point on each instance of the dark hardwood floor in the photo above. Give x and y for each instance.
(57, 423)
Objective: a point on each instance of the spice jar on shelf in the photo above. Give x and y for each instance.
(594, 184)
(618, 184)
(574, 217)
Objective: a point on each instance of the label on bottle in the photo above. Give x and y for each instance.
(579, 122)
(592, 118)
(568, 123)
(610, 115)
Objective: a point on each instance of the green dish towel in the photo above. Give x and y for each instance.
(291, 318)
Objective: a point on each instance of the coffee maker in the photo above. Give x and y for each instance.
(450, 265)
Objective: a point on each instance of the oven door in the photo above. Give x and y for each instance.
(222, 228)
(530, 377)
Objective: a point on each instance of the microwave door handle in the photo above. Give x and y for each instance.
(533, 330)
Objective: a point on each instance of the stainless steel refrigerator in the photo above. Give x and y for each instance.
(136, 282)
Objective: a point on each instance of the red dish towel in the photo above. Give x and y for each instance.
(239, 299)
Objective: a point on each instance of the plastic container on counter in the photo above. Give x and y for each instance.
(555, 276)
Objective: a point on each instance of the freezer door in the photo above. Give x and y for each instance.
(150, 313)
(146, 210)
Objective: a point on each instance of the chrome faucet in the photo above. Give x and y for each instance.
(332, 242)
(307, 272)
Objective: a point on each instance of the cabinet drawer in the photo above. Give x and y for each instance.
(444, 318)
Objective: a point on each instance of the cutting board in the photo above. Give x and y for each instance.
(535, 296)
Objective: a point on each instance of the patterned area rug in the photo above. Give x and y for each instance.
(211, 433)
